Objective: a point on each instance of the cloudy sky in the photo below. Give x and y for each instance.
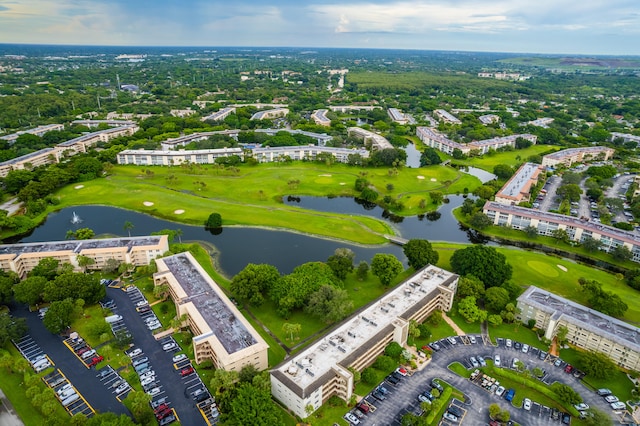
(536, 26)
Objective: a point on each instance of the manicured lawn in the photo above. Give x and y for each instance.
(459, 369)
(363, 388)
(441, 331)
(165, 311)
(619, 383)
(488, 162)
(92, 314)
(473, 328)
(517, 332)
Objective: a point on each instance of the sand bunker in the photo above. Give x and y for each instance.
(325, 175)
(178, 211)
(343, 183)
(420, 177)
(79, 186)
(434, 180)
(148, 203)
(562, 268)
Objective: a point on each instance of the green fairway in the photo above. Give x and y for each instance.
(511, 158)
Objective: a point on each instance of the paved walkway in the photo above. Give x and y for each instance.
(8, 416)
(453, 325)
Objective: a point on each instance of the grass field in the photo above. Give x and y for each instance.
(488, 162)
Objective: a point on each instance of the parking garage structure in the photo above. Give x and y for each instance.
(587, 329)
(221, 333)
(139, 251)
(314, 375)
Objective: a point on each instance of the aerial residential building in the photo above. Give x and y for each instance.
(518, 188)
(142, 157)
(577, 229)
(312, 376)
(626, 137)
(446, 116)
(321, 138)
(436, 140)
(377, 141)
(220, 115)
(304, 152)
(483, 146)
(542, 122)
(588, 329)
(182, 112)
(568, 157)
(489, 119)
(30, 161)
(397, 116)
(319, 116)
(139, 251)
(110, 123)
(37, 131)
(270, 114)
(345, 109)
(220, 332)
(81, 143)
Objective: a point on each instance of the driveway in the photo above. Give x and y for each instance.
(403, 398)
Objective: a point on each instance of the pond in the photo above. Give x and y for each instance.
(238, 246)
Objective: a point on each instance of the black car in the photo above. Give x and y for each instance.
(378, 395)
(392, 379)
(566, 418)
(437, 385)
(397, 375)
(517, 345)
(455, 411)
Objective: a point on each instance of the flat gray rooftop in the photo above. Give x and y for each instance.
(517, 183)
(589, 319)
(26, 156)
(231, 333)
(77, 246)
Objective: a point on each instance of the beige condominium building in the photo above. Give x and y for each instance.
(377, 141)
(518, 188)
(588, 329)
(270, 114)
(568, 157)
(436, 140)
(30, 161)
(143, 157)
(312, 376)
(221, 333)
(139, 251)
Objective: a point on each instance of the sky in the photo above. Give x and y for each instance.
(584, 27)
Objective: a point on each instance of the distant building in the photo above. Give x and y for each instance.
(270, 114)
(82, 143)
(436, 140)
(547, 223)
(489, 119)
(319, 116)
(377, 142)
(22, 258)
(518, 188)
(345, 109)
(182, 112)
(541, 122)
(588, 329)
(38, 131)
(142, 157)
(304, 152)
(220, 332)
(397, 116)
(315, 374)
(220, 115)
(30, 161)
(110, 123)
(626, 137)
(446, 116)
(568, 157)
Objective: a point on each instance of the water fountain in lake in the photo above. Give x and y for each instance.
(75, 218)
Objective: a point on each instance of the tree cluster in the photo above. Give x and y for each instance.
(604, 301)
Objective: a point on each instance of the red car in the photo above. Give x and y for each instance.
(95, 360)
(164, 413)
(568, 368)
(83, 350)
(161, 408)
(186, 371)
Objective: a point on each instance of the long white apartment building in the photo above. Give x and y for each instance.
(29, 161)
(377, 141)
(320, 371)
(37, 131)
(577, 229)
(541, 122)
(81, 143)
(626, 137)
(220, 332)
(346, 109)
(518, 188)
(22, 258)
(567, 157)
(270, 114)
(397, 116)
(489, 119)
(319, 117)
(220, 114)
(446, 116)
(142, 157)
(304, 152)
(110, 123)
(437, 140)
(587, 329)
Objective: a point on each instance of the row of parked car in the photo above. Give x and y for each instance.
(164, 414)
(88, 355)
(611, 399)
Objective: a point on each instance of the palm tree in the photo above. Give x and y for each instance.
(128, 226)
(178, 234)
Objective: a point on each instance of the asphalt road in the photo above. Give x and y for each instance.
(403, 397)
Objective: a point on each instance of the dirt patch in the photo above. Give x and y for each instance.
(79, 186)
(562, 268)
(148, 203)
(179, 211)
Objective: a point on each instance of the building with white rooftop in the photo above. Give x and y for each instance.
(437, 140)
(567, 157)
(319, 116)
(304, 152)
(22, 258)
(320, 371)
(221, 333)
(626, 137)
(110, 123)
(489, 119)
(587, 329)
(518, 188)
(446, 116)
(377, 141)
(270, 114)
(347, 109)
(142, 157)
(577, 229)
(82, 143)
(397, 116)
(37, 131)
(541, 122)
(182, 112)
(220, 114)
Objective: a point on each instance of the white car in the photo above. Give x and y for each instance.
(452, 340)
(88, 354)
(147, 381)
(169, 346)
(179, 358)
(496, 360)
(141, 303)
(148, 374)
(154, 391)
(500, 390)
(525, 348)
(526, 404)
(582, 406)
(135, 352)
(154, 326)
(352, 418)
(509, 343)
(472, 339)
(123, 387)
(618, 405)
(611, 398)
(450, 416)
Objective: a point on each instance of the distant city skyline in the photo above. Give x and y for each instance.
(588, 27)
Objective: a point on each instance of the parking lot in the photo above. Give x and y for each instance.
(70, 398)
(402, 397)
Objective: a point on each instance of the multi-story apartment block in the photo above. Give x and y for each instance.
(436, 140)
(221, 333)
(30, 161)
(220, 115)
(304, 152)
(38, 131)
(110, 123)
(377, 141)
(81, 143)
(577, 229)
(446, 116)
(270, 114)
(346, 109)
(319, 116)
(397, 116)
(542, 122)
(567, 157)
(139, 251)
(489, 119)
(143, 157)
(626, 137)
(587, 329)
(518, 188)
(483, 146)
(320, 371)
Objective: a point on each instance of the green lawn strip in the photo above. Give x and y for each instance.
(329, 414)
(165, 311)
(530, 388)
(468, 328)
(92, 315)
(618, 383)
(276, 352)
(444, 400)
(517, 332)
(288, 418)
(459, 369)
(363, 388)
(438, 332)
